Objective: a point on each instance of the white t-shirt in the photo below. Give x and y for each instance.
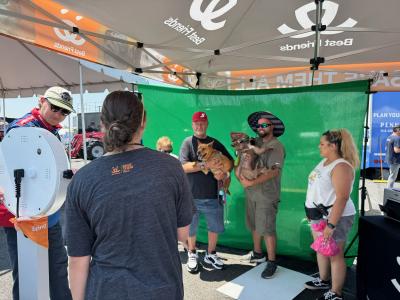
(320, 189)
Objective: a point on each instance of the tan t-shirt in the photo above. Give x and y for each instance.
(274, 156)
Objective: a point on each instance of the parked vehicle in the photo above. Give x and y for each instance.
(94, 145)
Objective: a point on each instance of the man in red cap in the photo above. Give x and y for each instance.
(263, 193)
(205, 192)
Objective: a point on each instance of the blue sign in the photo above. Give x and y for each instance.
(385, 115)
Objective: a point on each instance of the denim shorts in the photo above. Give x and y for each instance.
(342, 228)
(213, 211)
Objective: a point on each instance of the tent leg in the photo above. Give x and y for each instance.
(82, 115)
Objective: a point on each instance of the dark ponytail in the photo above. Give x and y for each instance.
(121, 115)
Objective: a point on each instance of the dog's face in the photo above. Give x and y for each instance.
(205, 151)
(240, 141)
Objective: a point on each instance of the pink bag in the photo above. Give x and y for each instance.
(325, 247)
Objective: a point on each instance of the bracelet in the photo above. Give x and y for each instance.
(331, 226)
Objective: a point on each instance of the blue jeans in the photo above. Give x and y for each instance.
(58, 262)
(213, 211)
(393, 171)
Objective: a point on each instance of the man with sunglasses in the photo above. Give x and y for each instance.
(263, 193)
(53, 107)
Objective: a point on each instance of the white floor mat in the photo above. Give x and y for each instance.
(285, 285)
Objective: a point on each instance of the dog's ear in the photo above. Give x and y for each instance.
(211, 144)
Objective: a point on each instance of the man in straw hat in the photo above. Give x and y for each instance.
(53, 107)
(263, 193)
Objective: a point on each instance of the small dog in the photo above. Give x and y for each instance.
(249, 166)
(219, 164)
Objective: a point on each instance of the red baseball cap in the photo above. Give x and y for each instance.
(199, 116)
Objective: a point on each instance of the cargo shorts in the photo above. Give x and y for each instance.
(261, 213)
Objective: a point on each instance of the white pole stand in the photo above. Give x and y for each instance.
(33, 270)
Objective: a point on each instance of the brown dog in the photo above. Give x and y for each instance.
(249, 166)
(218, 163)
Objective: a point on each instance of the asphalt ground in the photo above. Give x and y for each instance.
(204, 284)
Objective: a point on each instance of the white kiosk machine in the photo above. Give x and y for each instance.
(34, 175)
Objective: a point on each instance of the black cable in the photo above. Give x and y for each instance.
(18, 174)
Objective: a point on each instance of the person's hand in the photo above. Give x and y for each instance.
(1, 198)
(327, 233)
(245, 182)
(220, 175)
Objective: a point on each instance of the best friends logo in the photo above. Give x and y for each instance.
(302, 15)
(206, 18)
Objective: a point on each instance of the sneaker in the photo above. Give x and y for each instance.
(254, 257)
(192, 265)
(214, 260)
(269, 270)
(329, 295)
(317, 284)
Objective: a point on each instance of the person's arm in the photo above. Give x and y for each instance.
(275, 160)
(184, 157)
(183, 234)
(342, 177)
(396, 145)
(260, 179)
(78, 269)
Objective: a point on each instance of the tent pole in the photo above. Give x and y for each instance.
(364, 162)
(82, 114)
(69, 139)
(363, 188)
(317, 27)
(3, 95)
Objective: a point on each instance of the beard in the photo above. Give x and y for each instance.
(263, 133)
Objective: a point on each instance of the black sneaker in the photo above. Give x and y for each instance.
(317, 284)
(269, 270)
(254, 257)
(329, 295)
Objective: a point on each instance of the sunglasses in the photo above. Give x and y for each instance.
(54, 108)
(263, 125)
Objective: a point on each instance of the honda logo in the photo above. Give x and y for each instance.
(207, 16)
(330, 11)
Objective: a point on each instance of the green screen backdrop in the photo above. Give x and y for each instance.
(306, 112)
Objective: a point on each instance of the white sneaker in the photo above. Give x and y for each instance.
(214, 260)
(252, 257)
(192, 265)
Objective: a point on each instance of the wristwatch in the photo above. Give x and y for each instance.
(331, 226)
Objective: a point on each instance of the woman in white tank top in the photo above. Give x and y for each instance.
(330, 184)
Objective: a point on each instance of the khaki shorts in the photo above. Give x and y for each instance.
(261, 213)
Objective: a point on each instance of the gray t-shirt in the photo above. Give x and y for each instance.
(203, 186)
(273, 157)
(123, 210)
(391, 156)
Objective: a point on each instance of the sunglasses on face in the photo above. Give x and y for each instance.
(263, 125)
(54, 108)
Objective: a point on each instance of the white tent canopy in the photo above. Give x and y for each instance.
(27, 70)
(221, 43)
(211, 37)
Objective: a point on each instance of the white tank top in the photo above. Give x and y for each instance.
(320, 189)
